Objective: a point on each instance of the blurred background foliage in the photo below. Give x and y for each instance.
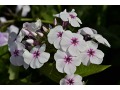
(105, 19)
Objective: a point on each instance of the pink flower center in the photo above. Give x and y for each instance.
(72, 16)
(36, 54)
(68, 59)
(16, 53)
(74, 41)
(91, 52)
(59, 34)
(70, 81)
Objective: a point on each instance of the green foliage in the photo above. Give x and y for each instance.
(50, 71)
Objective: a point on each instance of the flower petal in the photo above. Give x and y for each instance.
(35, 64)
(85, 58)
(96, 60)
(77, 80)
(19, 60)
(62, 82)
(44, 57)
(27, 57)
(57, 43)
(42, 48)
(78, 20)
(76, 60)
(25, 66)
(59, 55)
(25, 10)
(82, 45)
(70, 69)
(74, 22)
(64, 16)
(36, 48)
(92, 45)
(73, 50)
(13, 60)
(99, 53)
(60, 64)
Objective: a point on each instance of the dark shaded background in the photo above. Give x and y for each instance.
(105, 19)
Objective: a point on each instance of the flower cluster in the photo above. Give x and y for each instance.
(27, 46)
(74, 48)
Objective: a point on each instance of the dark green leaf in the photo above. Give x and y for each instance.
(50, 71)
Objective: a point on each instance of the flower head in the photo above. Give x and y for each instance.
(16, 50)
(55, 36)
(65, 62)
(71, 80)
(36, 57)
(72, 42)
(71, 17)
(92, 54)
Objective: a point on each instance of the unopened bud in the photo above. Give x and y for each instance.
(55, 21)
(45, 29)
(30, 41)
(25, 32)
(41, 34)
(33, 33)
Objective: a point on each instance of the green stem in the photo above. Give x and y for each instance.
(27, 19)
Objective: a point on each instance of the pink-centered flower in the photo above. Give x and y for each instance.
(72, 42)
(71, 17)
(16, 50)
(92, 54)
(71, 80)
(55, 36)
(36, 57)
(65, 62)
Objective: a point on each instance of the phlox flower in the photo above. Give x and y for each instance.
(92, 54)
(55, 36)
(72, 42)
(65, 62)
(72, 80)
(36, 57)
(71, 17)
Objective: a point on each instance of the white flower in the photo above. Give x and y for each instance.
(65, 62)
(93, 34)
(55, 36)
(3, 38)
(71, 17)
(71, 80)
(13, 34)
(16, 50)
(92, 54)
(25, 9)
(3, 19)
(72, 42)
(36, 57)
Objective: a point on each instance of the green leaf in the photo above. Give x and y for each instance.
(50, 71)
(91, 69)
